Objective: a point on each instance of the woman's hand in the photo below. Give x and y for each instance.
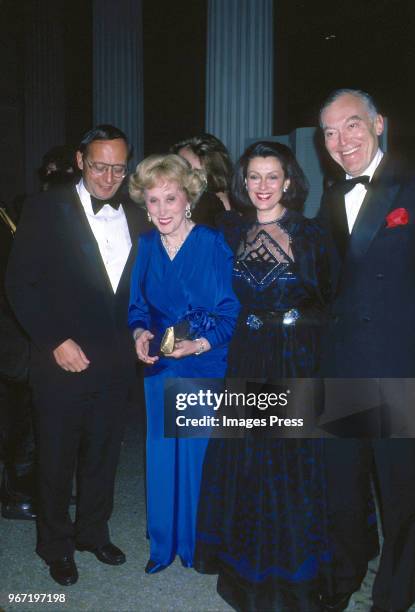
(142, 344)
(183, 348)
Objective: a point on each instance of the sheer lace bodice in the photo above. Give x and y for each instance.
(277, 270)
(266, 242)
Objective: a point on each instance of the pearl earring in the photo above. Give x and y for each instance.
(149, 217)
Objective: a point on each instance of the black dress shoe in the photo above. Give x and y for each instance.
(109, 553)
(335, 603)
(153, 568)
(20, 511)
(64, 571)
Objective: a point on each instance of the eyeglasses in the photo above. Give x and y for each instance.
(99, 168)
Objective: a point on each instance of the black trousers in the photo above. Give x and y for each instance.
(81, 430)
(17, 447)
(350, 463)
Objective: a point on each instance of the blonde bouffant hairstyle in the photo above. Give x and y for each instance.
(166, 168)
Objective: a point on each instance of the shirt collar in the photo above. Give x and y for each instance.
(85, 198)
(84, 195)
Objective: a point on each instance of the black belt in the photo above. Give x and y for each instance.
(256, 319)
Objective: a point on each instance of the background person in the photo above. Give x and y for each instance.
(16, 428)
(58, 167)
(206, 152)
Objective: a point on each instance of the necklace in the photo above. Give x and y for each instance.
(277, 223)
(267, 222)
(277, 220)
(173, 249)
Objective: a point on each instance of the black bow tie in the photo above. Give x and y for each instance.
(97, 204)
(348, 184)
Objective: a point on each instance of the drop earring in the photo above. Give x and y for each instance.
(149, 217)
(188, 212)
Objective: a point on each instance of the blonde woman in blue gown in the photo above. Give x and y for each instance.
(182, 271)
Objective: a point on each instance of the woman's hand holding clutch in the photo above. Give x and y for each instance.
(185, 337)
(142, 344)
(183, 348)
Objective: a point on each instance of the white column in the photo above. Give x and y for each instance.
(239, 81)
(118, 68)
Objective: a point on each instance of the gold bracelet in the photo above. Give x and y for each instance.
(202, 346)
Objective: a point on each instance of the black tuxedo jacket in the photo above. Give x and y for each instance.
(14, 351)
(6, 241)
(371, 329)
(58, 287)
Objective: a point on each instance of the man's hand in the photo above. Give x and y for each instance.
(70, 357)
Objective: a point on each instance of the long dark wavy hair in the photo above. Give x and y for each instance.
(214, 158)
(297, 191)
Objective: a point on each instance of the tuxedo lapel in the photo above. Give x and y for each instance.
(132, 214)
(381, 193)
(78, 228)
(133, 219)
(338, 222)
(89, 256)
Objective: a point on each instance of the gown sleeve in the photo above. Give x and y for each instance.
(227, 305)
(138, 309)
(311, 259)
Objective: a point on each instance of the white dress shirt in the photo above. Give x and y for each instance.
(354, 199)
(110, 229)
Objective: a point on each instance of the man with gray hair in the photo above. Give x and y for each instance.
(370, 219)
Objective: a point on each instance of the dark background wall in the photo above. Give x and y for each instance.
(78, 68)
(174, 71)
(364, 44)
(319, 45)
(11, 103)
(76, 18)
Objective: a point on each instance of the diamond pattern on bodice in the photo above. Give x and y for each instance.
(261, 253)
(261, 261)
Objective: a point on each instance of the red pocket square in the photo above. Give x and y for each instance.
(396, 217)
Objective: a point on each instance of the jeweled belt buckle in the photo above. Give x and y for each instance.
(254, 322)
(290, 317)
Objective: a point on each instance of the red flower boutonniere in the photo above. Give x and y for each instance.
(396, 217)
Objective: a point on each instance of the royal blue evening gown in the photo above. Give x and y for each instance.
(262, 523)
(162, 292)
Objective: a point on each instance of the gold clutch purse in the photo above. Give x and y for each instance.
(180, 331)
(167, 342)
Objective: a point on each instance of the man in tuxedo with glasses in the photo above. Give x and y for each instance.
(68, 284)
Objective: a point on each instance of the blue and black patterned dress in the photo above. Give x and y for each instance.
(262, 522)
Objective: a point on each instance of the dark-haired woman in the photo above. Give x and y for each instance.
(262, 522)
(207, 153)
